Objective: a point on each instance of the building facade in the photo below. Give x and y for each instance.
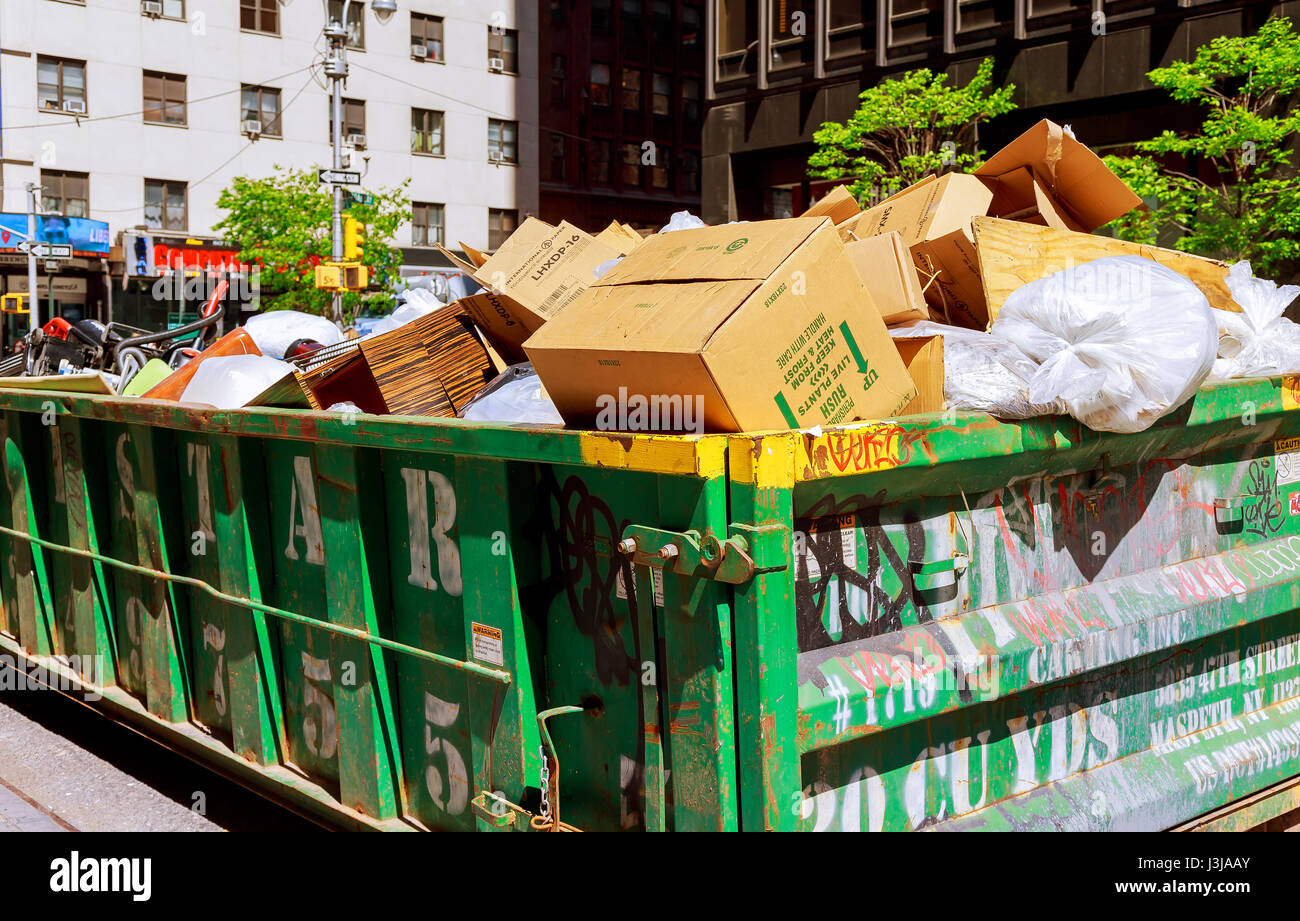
(621, 87)
(138, 113)
(778, 69)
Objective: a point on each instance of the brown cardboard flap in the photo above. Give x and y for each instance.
(838, 204)
(474, 255)
(749, 249)
(1072, 174)
(885, 265)
(923, 356)
(466, 267)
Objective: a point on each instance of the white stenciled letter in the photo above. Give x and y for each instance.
(444, 518)
(302, 498)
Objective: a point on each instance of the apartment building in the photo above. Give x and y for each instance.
(621, 92)
(778, 69)
(137, 113)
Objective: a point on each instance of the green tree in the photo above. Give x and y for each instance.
(906, 128)
(1235, 193)
(282, 223)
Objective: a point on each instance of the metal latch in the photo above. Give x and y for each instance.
(1232, 508)
(689, 553)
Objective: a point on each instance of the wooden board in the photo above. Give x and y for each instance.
(1012, 254)
(82, 382)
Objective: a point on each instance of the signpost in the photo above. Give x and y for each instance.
(39, 250)
(339, 177)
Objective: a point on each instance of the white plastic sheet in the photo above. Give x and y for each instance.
(517, 396)
(1119, 341)
(682, 220)
(230, 381)
(276, 330)
(1259, 341)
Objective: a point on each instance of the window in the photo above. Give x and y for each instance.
(164, 98)
(65, 193)
(692, 19)
(663, 91)
(690, 99)
(737, 37)
(61, 84)
(976, 15)
(559, 155)
(164, 204)
(173, 9)
(426, 132)
(427, 31)
(690, 172)
(354, 117)
(501, 224)
(913, 21)
(778, 202)
(262, 104)
(260, 16)
(851, 28)
(559, 79)
(600, 84)
(356, 24)
(426, 223)
(660, 176)
(791, 40)
(631, 90)
(602, 16)
(631, 172)
(503, 139)
(600, 161)
(633, 23)
(503, 47)
(662, 23)
(558, 12)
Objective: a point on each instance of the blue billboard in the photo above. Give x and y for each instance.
(88, 238)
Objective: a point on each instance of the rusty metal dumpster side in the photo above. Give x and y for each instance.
(1023, 626)
(393, 624)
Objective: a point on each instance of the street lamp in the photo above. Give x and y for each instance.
(336, 69)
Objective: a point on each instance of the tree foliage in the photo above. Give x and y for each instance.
(1228, 190)
(906, 128)
(282, 223)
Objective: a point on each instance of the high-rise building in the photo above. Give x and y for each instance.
(620, 87)
(137, 113)
(778, 69)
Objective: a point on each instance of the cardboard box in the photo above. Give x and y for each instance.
(619, 237)
(838, 204)
(1046, 166)
(933, 217)
(762, 325)
(431, 366)
(923, 356)
(531, 277)
(884, 264)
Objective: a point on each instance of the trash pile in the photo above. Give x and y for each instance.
(985, 292)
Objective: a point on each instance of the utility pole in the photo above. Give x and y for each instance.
(33, 303)
(336, 68)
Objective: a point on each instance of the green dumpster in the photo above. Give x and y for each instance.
(938, 622)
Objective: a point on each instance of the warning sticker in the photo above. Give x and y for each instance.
(656, 585)
(847, 528)
(1295, 503)
(1287, 460)
(487, 644)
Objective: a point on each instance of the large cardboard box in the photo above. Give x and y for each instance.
(838, 204)
(762, 325)
(531, 277)
(884, 264)
(1043, 177)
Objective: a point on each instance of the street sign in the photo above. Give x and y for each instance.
(46, 250)
(357, 198)
(340, 177)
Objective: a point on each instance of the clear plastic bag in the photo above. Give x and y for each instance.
(515, 395)
(682, 220)
(981, 372)
(1120, 341)
(230, 381)
(1259, 341)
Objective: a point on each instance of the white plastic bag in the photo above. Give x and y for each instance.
(276, 330)
(517, 395)
(1259, 341)
(1120, 341)
(682, 220)
(415, 307)
(230, 381)
(982, 373)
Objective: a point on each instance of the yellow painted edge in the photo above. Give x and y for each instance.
(1291, 391)
(681, 455)
(763, 461)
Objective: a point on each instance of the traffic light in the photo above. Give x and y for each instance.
(354, 239)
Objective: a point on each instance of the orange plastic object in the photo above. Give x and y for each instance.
(235, 342)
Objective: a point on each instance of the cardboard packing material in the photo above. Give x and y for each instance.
(431, 366)
(923, 356)
(619, 237)
(530, 278)
(885, 265)
(1044, 177)
(766, 323)
(838, 204)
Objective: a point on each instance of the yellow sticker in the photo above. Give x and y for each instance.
(487, 646)
(1291, 391)
(1286, 445)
